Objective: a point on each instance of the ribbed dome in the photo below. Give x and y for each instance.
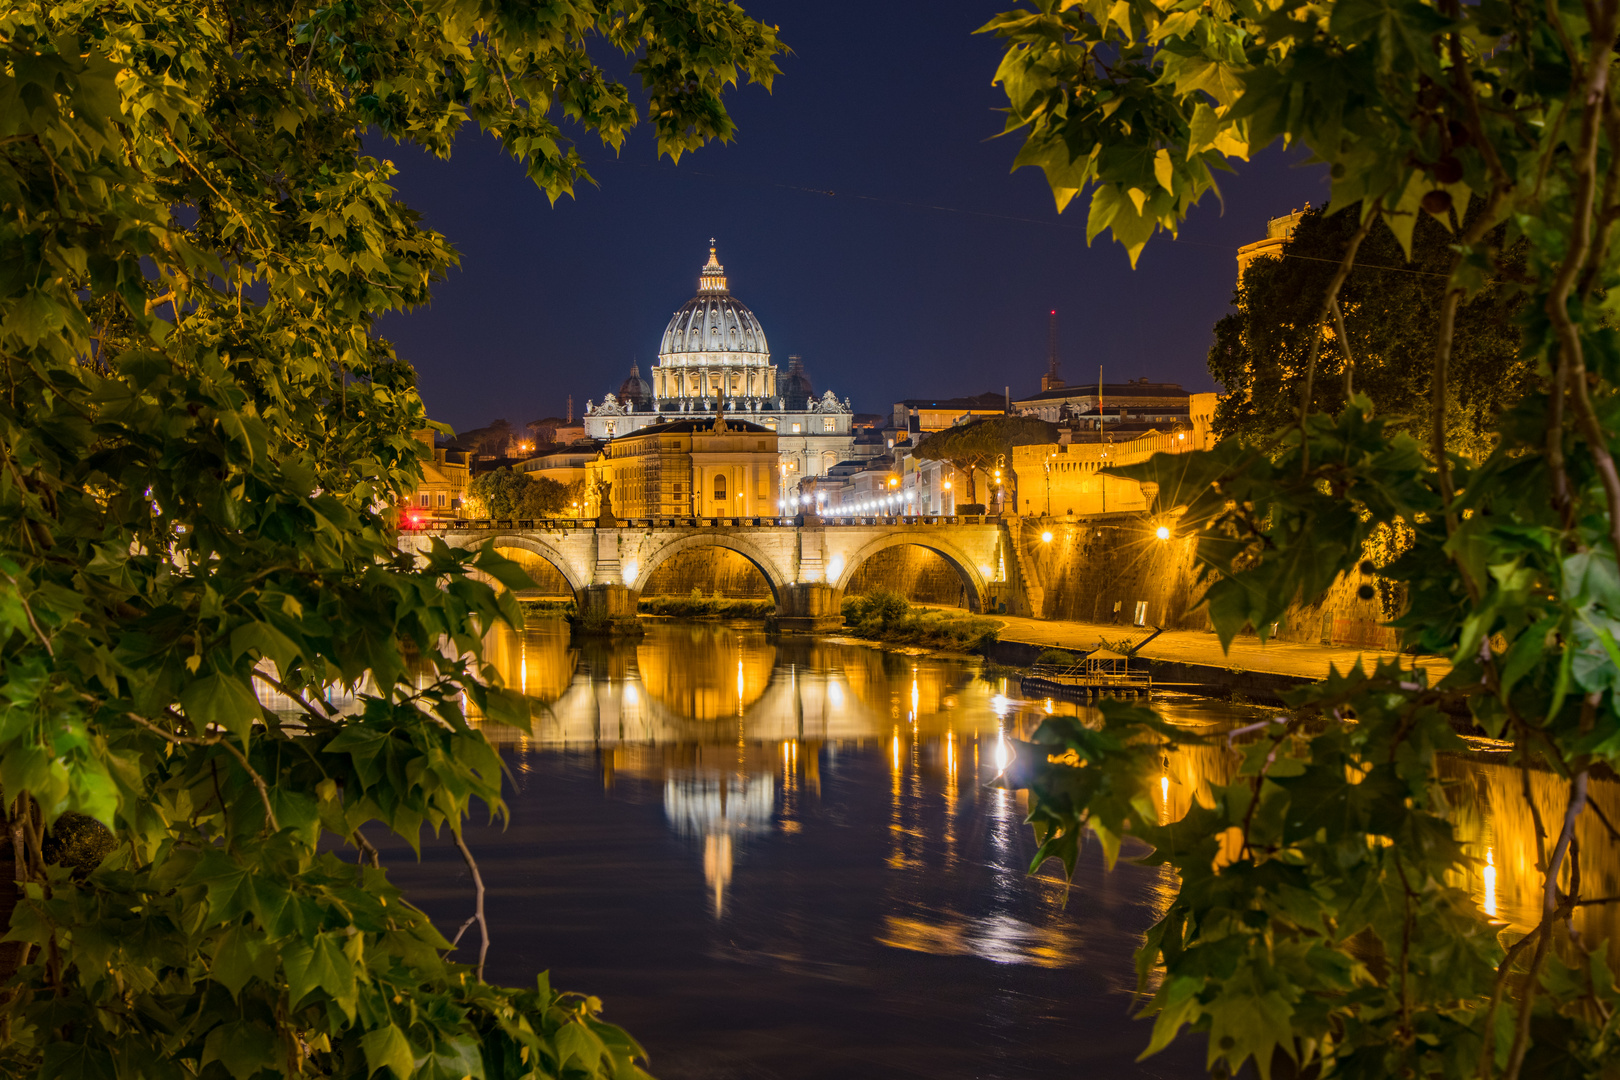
(635, 389)
(795, 387)
(716, 323)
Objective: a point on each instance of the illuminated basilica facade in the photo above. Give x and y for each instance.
(713, 357)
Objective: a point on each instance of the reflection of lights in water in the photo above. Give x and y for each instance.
(835, 695)
(1490, 882)
(630, 696)
(1164, 799)
(999, 705)
(1003, 752)
(523, 665)
(739, 685)
(1048, 706)
(717, 862)
(950, 756)
(914, 696)
(895, 745)
(1000, 939)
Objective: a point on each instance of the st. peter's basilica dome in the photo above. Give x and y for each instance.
(713, 327)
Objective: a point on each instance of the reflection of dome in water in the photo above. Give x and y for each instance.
(718, 807)
(702, 805)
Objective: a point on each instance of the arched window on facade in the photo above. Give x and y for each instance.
(720, 488)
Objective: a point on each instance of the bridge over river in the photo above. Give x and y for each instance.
(806, 561)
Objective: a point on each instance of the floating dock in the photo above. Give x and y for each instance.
(1099, 673)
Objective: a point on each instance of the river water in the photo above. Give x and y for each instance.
(779, 858)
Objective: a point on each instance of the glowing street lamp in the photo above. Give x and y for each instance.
(1162, 532)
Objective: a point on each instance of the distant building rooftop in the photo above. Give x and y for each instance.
(1136, 389)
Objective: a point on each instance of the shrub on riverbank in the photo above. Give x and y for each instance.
(698, 606)
(546, 609)
(887, 616)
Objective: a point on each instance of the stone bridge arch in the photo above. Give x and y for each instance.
(572, 575)
(966, 568)
(775, 577)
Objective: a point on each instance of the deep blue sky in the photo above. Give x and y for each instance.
(928, 273)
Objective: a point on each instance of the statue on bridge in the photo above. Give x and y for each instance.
(604, 501)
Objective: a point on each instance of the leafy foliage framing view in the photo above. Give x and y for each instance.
(1320, 925)
(200, 444)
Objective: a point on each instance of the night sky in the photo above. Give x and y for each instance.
(865, 213)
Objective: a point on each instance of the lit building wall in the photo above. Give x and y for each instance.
(687, 468)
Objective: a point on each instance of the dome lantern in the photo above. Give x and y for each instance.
(713, 277)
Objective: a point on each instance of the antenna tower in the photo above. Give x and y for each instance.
(1052, 380)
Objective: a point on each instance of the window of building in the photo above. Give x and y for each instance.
(828, 424)
(422, 500)
(719, 487)
(442, 498)
(797, 428)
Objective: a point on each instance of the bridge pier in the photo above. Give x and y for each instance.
(607, 609)
(809, 607)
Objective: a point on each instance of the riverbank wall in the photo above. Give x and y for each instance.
(1116, 570)
(1210, 680)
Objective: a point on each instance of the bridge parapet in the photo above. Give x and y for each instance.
(439, 527)
(807, 561)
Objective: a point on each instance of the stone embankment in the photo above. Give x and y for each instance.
(1193, 659)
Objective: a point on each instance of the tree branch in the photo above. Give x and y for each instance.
(282, 688)
(214, 740)
(1344, 347)
(1550, 907)
(1330, 301)
(1445, 336)
(23, 600)
(1502, 970)
(366, 849)
(478, 910)
(1591, 89)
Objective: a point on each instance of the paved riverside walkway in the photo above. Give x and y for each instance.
(1203, 649)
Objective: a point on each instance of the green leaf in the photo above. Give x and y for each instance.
(221, 700)
(243, 1047)
(235, 959)
(1176, 1004)
(320, 965)
(388, 1048)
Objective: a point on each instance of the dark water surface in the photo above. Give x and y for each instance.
(779, 859)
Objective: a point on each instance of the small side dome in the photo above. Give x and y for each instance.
(634, 389)
(795, 388)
